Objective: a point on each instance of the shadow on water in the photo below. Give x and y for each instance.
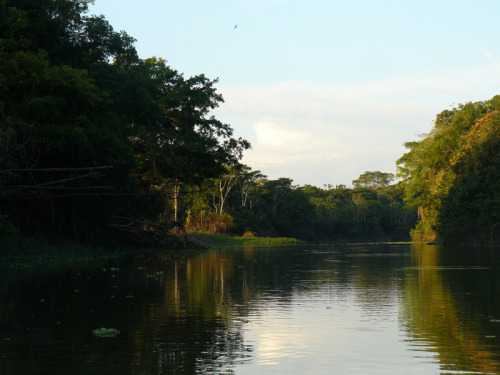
(196, 313)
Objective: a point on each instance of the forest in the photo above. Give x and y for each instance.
(453, 175)
(100, 146)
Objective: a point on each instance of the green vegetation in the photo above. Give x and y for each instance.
(224, 240)
(94, 140)
(453, 175)
(100, 147)
(105, 332)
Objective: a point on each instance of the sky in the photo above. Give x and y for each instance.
(324, 89)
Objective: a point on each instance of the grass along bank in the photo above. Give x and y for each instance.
(210, 239)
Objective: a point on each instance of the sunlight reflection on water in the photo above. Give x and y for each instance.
(341, 310)
(321, 334)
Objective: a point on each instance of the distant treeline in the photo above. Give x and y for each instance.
(100, 146)
(245, 201)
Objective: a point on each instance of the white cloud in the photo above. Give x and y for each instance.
(269, 134)
(318, 134)
(491, 57)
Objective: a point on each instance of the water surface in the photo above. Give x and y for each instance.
(314, 309)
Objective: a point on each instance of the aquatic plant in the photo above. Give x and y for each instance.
(105, 332)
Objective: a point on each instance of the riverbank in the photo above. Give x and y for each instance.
(210, 239)
(27, 252)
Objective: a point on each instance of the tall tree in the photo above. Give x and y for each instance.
(184, 144)
(375, 179)
(225, 184)
(428, 170)
(471, 209)
(252, 183)
(74, 96)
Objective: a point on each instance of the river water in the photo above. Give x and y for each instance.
(312, 309)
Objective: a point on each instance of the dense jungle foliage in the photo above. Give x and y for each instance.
(453, 175)
(89, 133)
(100, 146)
(370, 211)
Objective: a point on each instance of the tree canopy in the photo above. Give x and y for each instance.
(97, 144)
(86, 124)
(375, 179)
(451, 174)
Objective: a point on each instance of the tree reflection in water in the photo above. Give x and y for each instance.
(448, 307)
(225, 311)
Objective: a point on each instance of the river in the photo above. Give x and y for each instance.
(311, 309)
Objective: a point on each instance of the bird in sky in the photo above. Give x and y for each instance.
(235, 26)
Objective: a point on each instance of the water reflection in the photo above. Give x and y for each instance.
(451, 307)
(301, 310)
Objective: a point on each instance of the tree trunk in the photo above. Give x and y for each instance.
(177, 189)
(421, 212)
